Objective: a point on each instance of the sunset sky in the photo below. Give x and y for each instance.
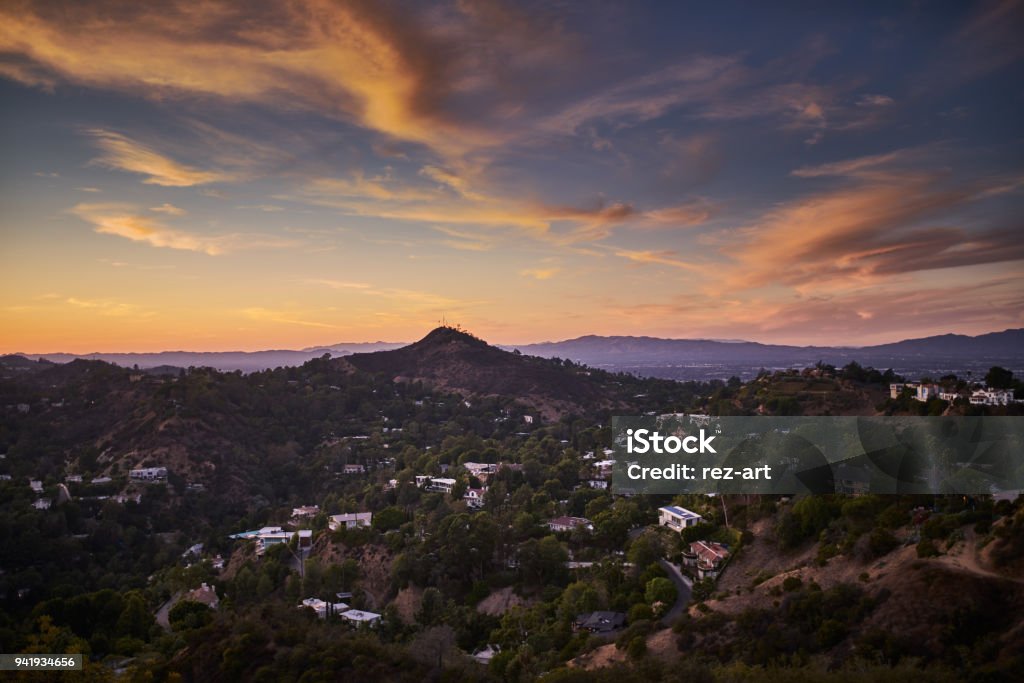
(211, 176)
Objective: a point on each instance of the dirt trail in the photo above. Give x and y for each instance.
(964, 556)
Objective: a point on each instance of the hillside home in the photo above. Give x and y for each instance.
(599, 622)
(305, 511)
(35, 485)
(102, 480)
(474, 498)
(354, 469)
(323, 609)
(442, 484)
(852, 480)
(204, 594)
(350, 520)
(991, 397)
(677, 518)
(707, 557)
(480, 470)
(569, 523)
(42, 504)
(361, 618)
(148, 474)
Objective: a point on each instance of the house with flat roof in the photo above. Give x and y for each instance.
(677, 518)
(569, 523)
(350, 520)
(361, 618)
(599, 622)
(148, 474)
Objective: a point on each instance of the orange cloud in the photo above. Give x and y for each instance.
(123, 221)
(360, 61)
(124, 154)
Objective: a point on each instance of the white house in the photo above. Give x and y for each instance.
(149, 473)
(305, 511)
(678, 518)
(474, 498)
(478, 469)
(528, 419)
(443, 484)
(991, 397)
(569, 523)
(354, 469)
(35, 485)
(322, 608)
(361, 618)
(350, 520)
(42, 504)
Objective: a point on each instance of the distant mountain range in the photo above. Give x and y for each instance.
(704, 358)
(246, 361)
(652, 356)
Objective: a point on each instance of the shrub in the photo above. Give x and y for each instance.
(791, 583)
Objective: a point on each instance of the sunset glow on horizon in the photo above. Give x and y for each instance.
(226, 176)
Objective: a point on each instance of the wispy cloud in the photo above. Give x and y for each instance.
(124, 154)
(125, 221)
(169, 209)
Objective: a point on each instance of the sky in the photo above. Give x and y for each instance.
(242, 176)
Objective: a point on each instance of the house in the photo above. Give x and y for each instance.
(354, 469)
(123, 498)
(924, 392)
(677, 518)
(102, 480)
(273, 535)
(35, 485)
(559, 524)
(442, 484)
(600, 484)
(484, 655)
(350, 520)
(474, 498)
(707, 557)
(991, 397)
(896, 389)
(949, 396)
(42, 504)
(305, 511)
(361, 618)
(480, 470)
(205, 594)
(323, 609)
(599, 622)
(528, 419)
(149, 474)
(74, 478)
(852, 480)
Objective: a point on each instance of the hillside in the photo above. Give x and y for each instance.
(452, 360)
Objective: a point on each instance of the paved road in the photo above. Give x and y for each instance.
(683, 585)
(683, 588)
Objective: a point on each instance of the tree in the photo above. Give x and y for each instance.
(999, 378)
(189, 614)
(135, 620)
(661, 593)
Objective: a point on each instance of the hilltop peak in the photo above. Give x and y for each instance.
(447, 334)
